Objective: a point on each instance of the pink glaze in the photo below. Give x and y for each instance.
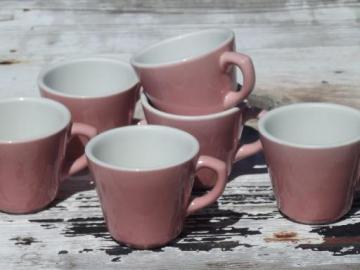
(110, 106)
(146, 207)
(182, 81)
(31, 168)
(107, 102)
(312, 186)
(218, 135)
(102, 112)
(313, 182)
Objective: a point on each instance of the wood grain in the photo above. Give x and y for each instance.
(302, 51)
(243, 230)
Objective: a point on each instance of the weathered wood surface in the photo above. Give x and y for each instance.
(243, 230)
(302, 50)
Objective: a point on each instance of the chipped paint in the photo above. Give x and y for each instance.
(24, 240)
(340, 240)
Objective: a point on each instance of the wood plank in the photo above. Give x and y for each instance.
(241, 230)
(303, 51)
(156, 5)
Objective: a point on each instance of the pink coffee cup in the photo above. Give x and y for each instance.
(33, 139)
(217, 133)
(313, 154)
(144, 176)
(99, 91)
(194, 74)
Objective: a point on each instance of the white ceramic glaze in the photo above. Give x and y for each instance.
(88, 77)
(183, 47)
(23, 119)
(312, 125)
(142, 147)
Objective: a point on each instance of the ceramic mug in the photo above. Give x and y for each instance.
(194, 74)
(144, 176)
(312, 151)
(217, 133)
(33, 140)
(98, 91)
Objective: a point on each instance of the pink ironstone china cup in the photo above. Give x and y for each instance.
(98, 91)
(144, 176)
(217, 133)
(313, 154)
(33, 139)
(194, 74)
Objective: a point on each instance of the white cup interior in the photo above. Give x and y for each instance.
(183, 47)
(312, 125)
(91, 77)
(142, 147)
(23, 119)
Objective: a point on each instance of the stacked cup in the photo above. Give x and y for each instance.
(189, 82)
(145, 174)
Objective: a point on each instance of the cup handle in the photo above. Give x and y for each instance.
(250, 149)
(245, 64)
(205, 200)
(81, 162)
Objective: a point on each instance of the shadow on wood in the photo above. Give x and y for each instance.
(251, 165)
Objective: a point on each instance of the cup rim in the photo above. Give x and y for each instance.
(103, 136)
(50, 67)
(146, 104)
(286, 108)
(134, 62)
(50, 102)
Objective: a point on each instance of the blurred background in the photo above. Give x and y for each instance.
(302, 50)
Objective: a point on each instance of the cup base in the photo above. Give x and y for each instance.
(25, 212)
(150, 246)
(314, 221)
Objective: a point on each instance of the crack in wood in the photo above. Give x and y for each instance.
(86, 250)
(10, 62)
(247, 198)
(47, 220)
(207, 246)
